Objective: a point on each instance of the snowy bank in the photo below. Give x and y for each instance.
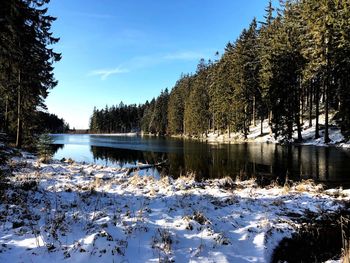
(64, 212)
(308, 134)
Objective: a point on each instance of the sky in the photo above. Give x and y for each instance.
(130, 50)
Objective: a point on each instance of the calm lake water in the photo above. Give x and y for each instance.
(266, 162)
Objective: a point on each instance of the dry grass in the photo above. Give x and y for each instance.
(188, 178)
(136, 180)
(308, 186)
(165, 181)
(97, 182)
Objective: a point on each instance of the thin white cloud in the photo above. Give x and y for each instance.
(147, 61)
(105, 73)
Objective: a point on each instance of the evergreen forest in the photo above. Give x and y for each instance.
(289, 69)
(26, 70)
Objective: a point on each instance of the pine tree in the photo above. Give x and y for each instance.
(281, 73)
(176, 105)
(247, 86)
(293, 62)
(26, 62)
(319, 46)
(158, 122)
(196, 108)
(342, 58)
(264, 47)
(147, 116)
(220, 93)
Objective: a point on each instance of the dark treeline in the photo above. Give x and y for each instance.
(121, 118)
(47, 122)
(150, 117)
(288, 69)
(26, 69)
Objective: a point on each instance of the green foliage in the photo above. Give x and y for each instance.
(176, 105)
(196, 114)
(3, 153)
(121, 118)
(49, 122)
(175, 113)
(26, 65)
(44, 148)
(294, 63)
(151, 117)
(147, 115)
(159, 118)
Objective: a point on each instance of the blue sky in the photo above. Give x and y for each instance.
(129, 50)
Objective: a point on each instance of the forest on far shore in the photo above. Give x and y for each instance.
(289, 68)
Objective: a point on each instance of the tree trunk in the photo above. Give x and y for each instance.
(19, 114)
(301, 114)
(310, 104)
(245, 122)
(297, 120)
(317, 101)
(299, 111)
(209, 127)
(290, 130)
(270, 121)
(262, 125)
(326, 91)
(245, 129)
(254, 122)
(6, 114)
(213, 124)
(326, 132)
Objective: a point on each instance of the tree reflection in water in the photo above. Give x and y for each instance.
(265, 162)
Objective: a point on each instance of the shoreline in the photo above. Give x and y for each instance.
(93, 213)
(254, 136)
(224, 138)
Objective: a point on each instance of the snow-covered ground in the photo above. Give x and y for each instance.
(308, 134)
(64, 212)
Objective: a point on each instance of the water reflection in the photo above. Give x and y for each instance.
(123, 157)
(56, 147)
(265, 162)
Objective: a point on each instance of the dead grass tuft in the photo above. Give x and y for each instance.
(308, 186)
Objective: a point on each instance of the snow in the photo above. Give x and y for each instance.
(308, 134)
(87, 213)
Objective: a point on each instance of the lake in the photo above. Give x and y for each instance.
(265, 162)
